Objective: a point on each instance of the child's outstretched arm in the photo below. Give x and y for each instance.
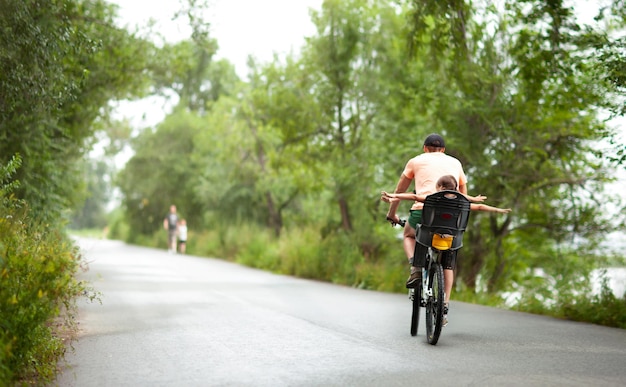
(395, 197)
(484, 207)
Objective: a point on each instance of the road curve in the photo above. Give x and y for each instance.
(173, 320)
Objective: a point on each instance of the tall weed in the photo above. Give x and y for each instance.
(37, 282)
(258, 249)
(603, 308)
(300, 253)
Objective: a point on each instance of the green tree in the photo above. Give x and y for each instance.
(92, 214)
(60, 64)
(185, 68)
(522, 113)
(161, 173)
(349, 60)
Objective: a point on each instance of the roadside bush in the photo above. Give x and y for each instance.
(382, 277)
(37, 283)
(204, 244)
(602, 309)
(37, 268)
(301, 255)
(258, 250)
(118, 227)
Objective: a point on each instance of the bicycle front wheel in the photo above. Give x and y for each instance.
(434, 304)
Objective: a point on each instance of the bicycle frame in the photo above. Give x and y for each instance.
(444, 219)
(432, 257)
(429, 294)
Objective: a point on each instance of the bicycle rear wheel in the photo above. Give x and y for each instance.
(415, 314)
(434, 305)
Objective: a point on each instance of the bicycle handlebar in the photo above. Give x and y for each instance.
(393, 222)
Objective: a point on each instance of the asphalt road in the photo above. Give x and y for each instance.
(173, 320)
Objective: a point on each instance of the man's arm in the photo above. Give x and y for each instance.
(463, 188)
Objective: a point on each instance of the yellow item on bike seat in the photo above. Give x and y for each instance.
(442, 242)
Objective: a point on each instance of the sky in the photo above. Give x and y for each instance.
(242, 28)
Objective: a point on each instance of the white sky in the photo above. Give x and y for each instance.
(242, 28)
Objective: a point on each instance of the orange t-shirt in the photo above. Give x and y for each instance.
(427, 168)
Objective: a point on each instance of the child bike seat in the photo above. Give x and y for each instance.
(446, 214)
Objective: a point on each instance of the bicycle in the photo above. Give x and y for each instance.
(444, 218)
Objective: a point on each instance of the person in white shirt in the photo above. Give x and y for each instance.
(182, 236)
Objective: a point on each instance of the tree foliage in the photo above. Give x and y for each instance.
(520, 92)
(60, 64)
(523, 116)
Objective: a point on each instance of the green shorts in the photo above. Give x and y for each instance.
(415, 218)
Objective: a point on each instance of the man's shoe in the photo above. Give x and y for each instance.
(414, 279)
(445, 314)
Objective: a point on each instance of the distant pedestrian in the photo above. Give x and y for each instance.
(170, 223)
(182, 236)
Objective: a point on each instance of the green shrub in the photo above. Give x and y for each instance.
(158, 240)
(383, 277)
(300, 254)
(204, 243)
(118, 227)
(603, 308)
(37, 268)
(37, 283)
(258, 250)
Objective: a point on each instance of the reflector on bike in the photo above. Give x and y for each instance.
(442, 241)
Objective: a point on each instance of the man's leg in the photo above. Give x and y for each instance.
(172, 241)
(448, 279)
(449, 265)
(409, 241)
(414, 251)
(409, 250)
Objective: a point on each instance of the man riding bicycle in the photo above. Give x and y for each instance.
(425, 169)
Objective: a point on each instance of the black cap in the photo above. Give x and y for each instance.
(434, 140)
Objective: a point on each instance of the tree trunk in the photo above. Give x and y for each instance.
(492, 285)
(346, 222)
(275, 220)
(470, 261)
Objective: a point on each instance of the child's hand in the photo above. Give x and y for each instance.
(387, 197)
(477, 199)
(505, 210)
